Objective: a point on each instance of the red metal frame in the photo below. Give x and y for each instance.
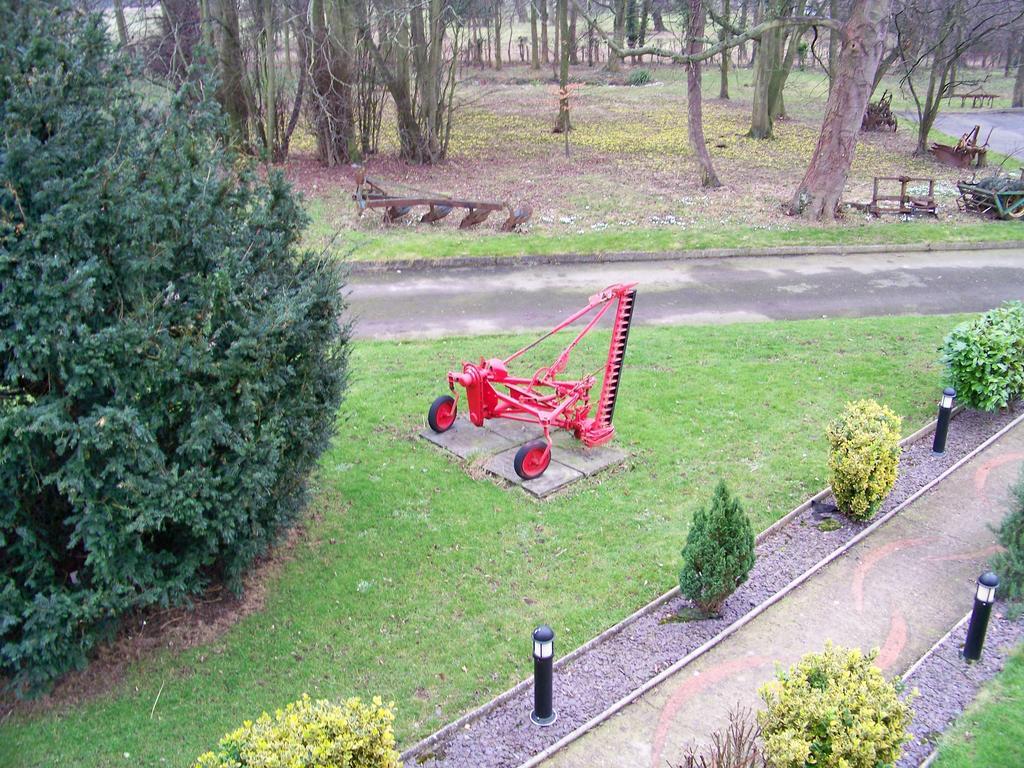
(542, 399)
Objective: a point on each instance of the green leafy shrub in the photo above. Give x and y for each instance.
(1009, 564)
(984, 358)
(170, 363)
(864, 452)
(719, 551)
(639, 77)
(833, 710)
(311, 734)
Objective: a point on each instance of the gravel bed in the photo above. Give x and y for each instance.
(947, 684)
(504, 736)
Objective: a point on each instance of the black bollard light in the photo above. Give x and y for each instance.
(942, 426)
(983, 599)
(543, 673)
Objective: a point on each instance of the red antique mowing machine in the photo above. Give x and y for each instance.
(493, 393)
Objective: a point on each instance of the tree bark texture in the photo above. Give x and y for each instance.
(233, 92)
(618, 35)
(180, 34)
(333, 118)
(863, 39)
(723, 87)
(562, 19)
(534, 43)
(122, 26)
(694, 105)
(545, 54)
(497, 34)
(1018, 84)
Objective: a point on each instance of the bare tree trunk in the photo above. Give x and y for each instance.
(122, 26)
(544, 52)
(181, 32)
(723, 88)
(562, 20)
(657, 20)
(287, 47)
(694, 105)
(618, 35)
(331, 62)
(233, 91)
(497, 34)
(776, 104)
(767, 54)
(534, 52)
(574, 56)
(863, 38)
(883, 69)
(1018, 84)
(268, 79)
(741, 56)
(833, 44)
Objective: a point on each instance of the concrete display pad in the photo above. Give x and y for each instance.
(467, 441)
(496, 443)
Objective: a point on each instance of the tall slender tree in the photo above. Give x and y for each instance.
(694, 108)
(562, 19)
(863, 38)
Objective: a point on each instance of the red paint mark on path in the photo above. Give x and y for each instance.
(895, 642)
(981, 475)
(691, 686)
(978, 554)
(873, 558)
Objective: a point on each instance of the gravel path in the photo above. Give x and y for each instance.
(947, 684)
(504, 736)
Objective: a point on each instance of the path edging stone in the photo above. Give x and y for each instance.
(931, 756)
(762, 607)
(475, 714)
(557, 259)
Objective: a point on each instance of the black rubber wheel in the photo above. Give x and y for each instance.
(441, 415)
(532, 459)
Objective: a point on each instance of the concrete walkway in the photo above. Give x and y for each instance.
(444, 302)
(900, 590)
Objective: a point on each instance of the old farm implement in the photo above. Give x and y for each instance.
(966, 153)
(1000, 196)
(910, 201)
(369, 194)
(492, 392)
(879, 115)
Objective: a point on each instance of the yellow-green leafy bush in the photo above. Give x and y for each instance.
(311, 734)
(864, 451)
(833, 710)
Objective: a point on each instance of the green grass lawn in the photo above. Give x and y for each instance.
(419, 582)
(990, 734)
(442, 244)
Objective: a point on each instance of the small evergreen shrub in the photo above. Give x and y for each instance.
(639, 77)
(1009, 564)
(833, 710)
(984, 358)
(719, 551)
(171, 362)
(864, 452)
(311, 734)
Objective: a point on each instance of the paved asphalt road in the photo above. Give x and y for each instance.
(429, 304)
(1007, 128)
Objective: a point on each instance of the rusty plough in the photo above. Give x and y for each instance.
(369, 194)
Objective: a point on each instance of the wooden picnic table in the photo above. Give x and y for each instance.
(977, 99)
